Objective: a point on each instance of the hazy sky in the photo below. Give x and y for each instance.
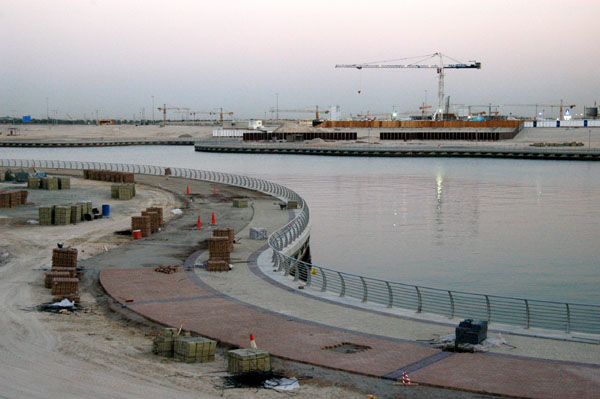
(113, 56)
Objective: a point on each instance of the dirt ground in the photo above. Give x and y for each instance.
(94, 352)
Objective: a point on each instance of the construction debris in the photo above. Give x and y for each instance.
(167, 269)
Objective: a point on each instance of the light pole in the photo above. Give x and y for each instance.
(153, 110)
(276, 106)
(47, 113)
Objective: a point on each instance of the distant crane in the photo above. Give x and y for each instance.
(561, 106)
(164, 109)
(423, 107)
(220, 113)
(316, 111)
(439, 114)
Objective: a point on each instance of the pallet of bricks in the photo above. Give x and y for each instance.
(65, 214)
(12, 198)
(220, 247)
(62, 277)
(122, 191)
(149, 222)
(108, 175)
(49, 183)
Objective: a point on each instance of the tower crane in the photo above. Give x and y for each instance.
(561, 106)
(440, 67)
(164, 109)
(423, 107)
(316, 111)
(220, 113)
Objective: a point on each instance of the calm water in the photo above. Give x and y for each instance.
(508, 227)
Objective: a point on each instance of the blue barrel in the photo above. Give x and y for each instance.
(105, 210)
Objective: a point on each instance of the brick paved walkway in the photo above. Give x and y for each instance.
(184, 299)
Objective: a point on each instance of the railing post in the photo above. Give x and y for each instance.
(343, 291)
(308, 274)
(489, 309)
(296, 270)
(568, 318)
(419, 299)
(324, 286)
(527, 313)
(365, 291)
(451, 304)
(390, 294)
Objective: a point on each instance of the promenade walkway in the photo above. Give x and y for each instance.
(292, 325)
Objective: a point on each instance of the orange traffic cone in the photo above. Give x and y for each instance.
(187, 191)
(199, 223)
(252, 342)
(214, 221)
(215, 190)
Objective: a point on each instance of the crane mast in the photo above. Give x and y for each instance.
(440, 67)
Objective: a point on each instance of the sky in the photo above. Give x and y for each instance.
(79, 57)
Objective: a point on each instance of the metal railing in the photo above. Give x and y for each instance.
(527, 313)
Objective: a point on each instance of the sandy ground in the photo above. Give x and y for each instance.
(590, 137)
(94, 353)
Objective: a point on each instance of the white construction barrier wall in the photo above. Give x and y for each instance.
(571, 123)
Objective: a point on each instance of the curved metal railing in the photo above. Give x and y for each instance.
(527, 313)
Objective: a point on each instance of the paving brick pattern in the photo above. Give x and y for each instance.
(182, 299)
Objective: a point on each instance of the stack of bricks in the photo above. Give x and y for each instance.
(62, 215)
(240, 203)
(65, 287)
(226, 232)
(76, 214)
(163, 343)
(123, 191)
(64, 183)
(142, 223)
(158, 210)
(45, 215)
(49, 183)
(62, 276)
(218, 249)
(12, 198)
(242, 361)
(154, 220)
(64, 257)
(108, 175)
(194, 349)
(33, 183)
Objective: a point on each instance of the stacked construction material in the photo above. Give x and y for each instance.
(217, 266)
(108, 175)
(158, 210)
(62, 215)
(12, 198)
(240, 203)
(33, 183)
(51, 275)
(142, 223)
(76, 214)
(149, 222)
(64, 257)
(154, 220)
(226, 232)
(292, 205)
(194, 349)
(49, 183)
(65, 214)
(45, 215)
(65, 287)
(241, 361)
(124, 191)
(218, 249)
(62, 276)
(64, 183)
(164, 342)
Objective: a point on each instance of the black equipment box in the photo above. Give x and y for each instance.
(471, 331)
